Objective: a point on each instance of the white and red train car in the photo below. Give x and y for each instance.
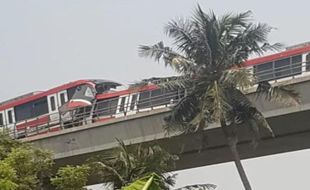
(87, 101)
(293, 62)
(77, 103)
(41, 108)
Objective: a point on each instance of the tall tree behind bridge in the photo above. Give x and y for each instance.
(208, 52)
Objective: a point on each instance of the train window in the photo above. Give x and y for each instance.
(53, 105)
(62, 99)
(144, 100)
(283, 68)
(100, 88)
(23, 111)
(10, 117)
(71, 92)
(122, 105)
(31, 109)
(296, 64)
(157, 97)
(264, 71)
(308, 62)
(133, 101)
(40, 107)
(106, 107)
(1, 120)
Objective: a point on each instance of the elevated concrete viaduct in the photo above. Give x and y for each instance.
(291, 126)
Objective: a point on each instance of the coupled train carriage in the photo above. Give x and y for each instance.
(78, 103)
(89, 101)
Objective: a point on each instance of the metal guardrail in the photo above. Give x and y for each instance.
(283, 71)
(78, 117)
(82, 116)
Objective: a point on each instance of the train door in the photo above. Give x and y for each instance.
(127, 105)
(2, 120)
(53, 108)
(122, 106)
(10, 118)
(62, 97)
(132, 104)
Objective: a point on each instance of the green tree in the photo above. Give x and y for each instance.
(6, 144)
(7, 177)
(150, 182)
(208, 52)
(129, 163)
(153, 181)
(29, 165)
(71, 178)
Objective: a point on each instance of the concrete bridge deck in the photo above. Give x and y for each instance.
(290, 124)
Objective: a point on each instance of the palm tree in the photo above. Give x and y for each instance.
(152, 181)
(129, 163)
(208, 53)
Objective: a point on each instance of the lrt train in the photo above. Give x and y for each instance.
(77, 103)
(89, 101)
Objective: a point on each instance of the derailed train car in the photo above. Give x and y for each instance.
(78, 103)
(27, 114)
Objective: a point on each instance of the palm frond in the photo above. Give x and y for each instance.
(110, 169)
(238, 105)
(125, 156)
(181, 30)
(232, 25)
(262, 122)
(282, 94)
(254, 130)
(170, 57)
(271, 47)
(239, 77)
(182, 114)
(198, 187)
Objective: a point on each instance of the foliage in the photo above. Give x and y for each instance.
(129, 163)
(71, 178)
(198, 187)
(150, 182)
(7, 177)
(208, 52)
(29, 166)
(6, 144)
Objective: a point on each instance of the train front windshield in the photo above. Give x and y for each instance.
(84, 95)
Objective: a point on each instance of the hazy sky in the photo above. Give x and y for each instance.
(45, 43)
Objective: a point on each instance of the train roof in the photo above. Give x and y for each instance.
(35, 95)
(20, 97)
(290, 51)
(100, 81)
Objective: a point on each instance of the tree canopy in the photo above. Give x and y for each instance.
(208, 52)
(71, 178)
(23, 167)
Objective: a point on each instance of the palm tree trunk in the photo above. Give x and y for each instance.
(232, 139)
(242, 174)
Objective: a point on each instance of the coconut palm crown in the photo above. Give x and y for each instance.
(208, 53)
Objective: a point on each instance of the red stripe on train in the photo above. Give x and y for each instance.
(277, 56)
(33, 123)
(124, 92)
